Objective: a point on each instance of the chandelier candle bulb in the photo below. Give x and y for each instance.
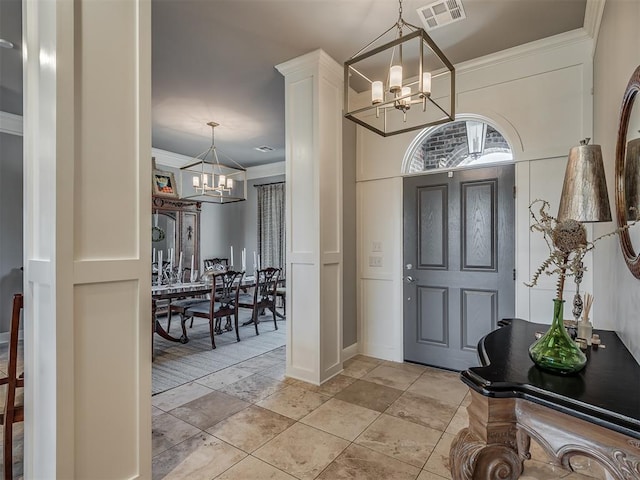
(426, 83)
(377, 92)
(196, 181)
(205, 180)
(395, 78)
(222, 180)
(230, 183)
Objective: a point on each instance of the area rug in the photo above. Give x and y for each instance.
(176, 364)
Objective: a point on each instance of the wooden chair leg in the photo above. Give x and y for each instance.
(273, 310)
(8, 447)
(255, 319)
(235, 317)
(169, 316)
(211, 328)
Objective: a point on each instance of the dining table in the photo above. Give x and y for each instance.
(179, 291)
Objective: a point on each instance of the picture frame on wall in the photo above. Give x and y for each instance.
(164, 184)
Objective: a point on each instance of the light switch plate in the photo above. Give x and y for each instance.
(375, 261)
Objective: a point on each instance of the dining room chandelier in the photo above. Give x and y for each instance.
(402, 85)
(211, 181)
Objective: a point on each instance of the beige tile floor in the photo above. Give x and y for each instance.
(377, 420)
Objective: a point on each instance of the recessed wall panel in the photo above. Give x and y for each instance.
(330, 322)
(106, 319)
(330, 173)
(432, 237)
(479, 213)
(301, 182)
(304, 331)
(106, 159)
(433, 315)
(479, 315)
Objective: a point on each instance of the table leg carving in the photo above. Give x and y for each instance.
(472, 459)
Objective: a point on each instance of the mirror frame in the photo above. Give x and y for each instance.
(631, 258)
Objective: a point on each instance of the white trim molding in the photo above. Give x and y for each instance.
(10, 123)
(592, 19)
(350, 351)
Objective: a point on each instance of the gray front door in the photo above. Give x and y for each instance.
(458, 262)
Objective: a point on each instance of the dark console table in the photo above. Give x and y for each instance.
(595, 413)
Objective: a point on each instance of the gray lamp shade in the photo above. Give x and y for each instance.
(584, 193)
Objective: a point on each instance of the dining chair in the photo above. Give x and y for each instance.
(12, 413)
(215, 264)
(223, 303)
(263, 296)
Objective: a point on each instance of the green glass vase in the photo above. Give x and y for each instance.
(555, 351)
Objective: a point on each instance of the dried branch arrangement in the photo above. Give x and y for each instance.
(567, 242)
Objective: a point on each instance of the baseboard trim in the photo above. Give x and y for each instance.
(350, 351)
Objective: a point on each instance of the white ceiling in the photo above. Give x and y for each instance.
(215, 59)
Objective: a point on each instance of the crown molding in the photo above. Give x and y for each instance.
(554, 42)
(592, 19)
(267, 170)
(11, 123)
(311, 60)
(170, 159)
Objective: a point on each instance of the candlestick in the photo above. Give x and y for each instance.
(192, 272)
(160, 267)
(231, 259)
(180, 268)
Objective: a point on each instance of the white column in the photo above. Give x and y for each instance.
(313, 98)
(87, 148)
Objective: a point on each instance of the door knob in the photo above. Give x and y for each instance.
(409, 279)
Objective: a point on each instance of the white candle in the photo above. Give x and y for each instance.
(231, 259)
(255, 261)
(258, 261)
(192, 272)
(244, 259)
(180, 268)
(153, 259)
(171, 260)
(160, 267)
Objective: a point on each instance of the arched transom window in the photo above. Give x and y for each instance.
(460, 143)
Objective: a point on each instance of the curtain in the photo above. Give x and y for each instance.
(271, 225)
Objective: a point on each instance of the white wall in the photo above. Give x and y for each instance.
(539, 96)
(617, 55)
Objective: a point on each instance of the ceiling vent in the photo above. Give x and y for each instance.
(443, 12)
(265, 149)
